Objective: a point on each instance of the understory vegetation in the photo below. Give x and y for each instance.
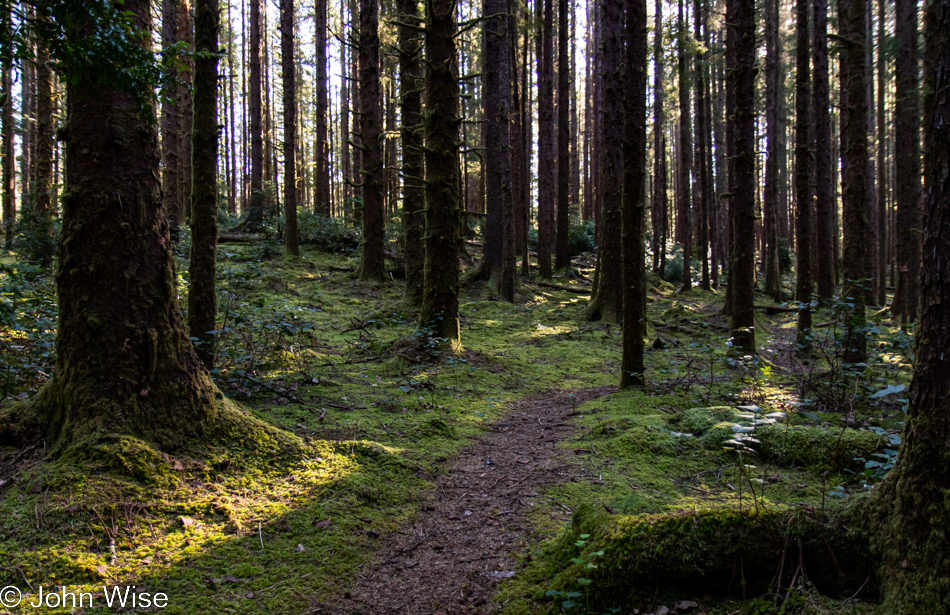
(720, 483)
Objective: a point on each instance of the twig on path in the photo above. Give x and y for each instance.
(476, 559)
(561, 505)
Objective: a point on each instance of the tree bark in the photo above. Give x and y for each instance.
(439, 318)
(321, 189)
(685, 151)
(6, 115)
(499, 255)
(703, 179)
(882, 166)
(911, 541)
(124, 362)
(185, 102)
(255, 210)
(288, 74)
(171, 112)
(659, 201)
(373, 264)
(774, 126)
(634, 193)
(547, 172)
(854, 156)
(803, 157)
(607, 302)
(562, 256)
(202, 301)
(740, 14)
(907, 157)
(413, 165)
(824, 178)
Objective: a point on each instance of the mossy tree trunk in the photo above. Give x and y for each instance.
(913, 541)
(202, 300)
(607, 302)
(907, 160)
(659, 202)
(289, 77)
(685, 150)
(255, 209)
(562, 255)
(373, 264)
(704, 190)
(803, 162)
(413, 163)
(171, 110)
(634, 192)
(440, 304)
(741, 19)
(43, 160)
(854, 163)
(186, 37)
(124, 361)
(547, 170)
(499, 232)
(6, 115)
(824, 178)
(774, 127)
(321, 190)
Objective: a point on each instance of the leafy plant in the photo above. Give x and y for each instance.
(570, 598)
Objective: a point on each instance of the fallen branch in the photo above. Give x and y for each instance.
(569, 289)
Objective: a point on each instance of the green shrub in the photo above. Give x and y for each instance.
(580, 238)
(327, 234)
(673, 271)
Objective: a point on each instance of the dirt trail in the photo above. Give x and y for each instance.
(467, 535)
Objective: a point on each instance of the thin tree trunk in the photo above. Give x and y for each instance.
(6, 114)
(439, 318)
(288, 74)
(685, 151)
(562, 256)
(43, 212)
(413, 164)
(634, 193)
(882, 174)
(202, 301)
(255, 213)
(659, 201)
(185, 111)
(907, 157)
(824, 178)
(740, 15)
(547, 172)
(803, 156)
(607, 301)
(773, 61)
(704, 187)
(321, 188)
(854, 180)
(232, 76)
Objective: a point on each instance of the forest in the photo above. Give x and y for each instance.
(432, 307)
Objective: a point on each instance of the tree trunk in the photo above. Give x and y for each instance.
(659, 201)
(373, 264)
(824, 178)
(907, 157)
(288, 74)
(740, 14)
(321, 176)
(774, 125)
(413, 165)
(803, 156)
(496, 98)
(911, 542)
(202, 301)
(185, 102)
(124, 363)
(519, 181)
(607, 302)
(171, 112)
(562, 256)
(854, 156)
(685, 151)
(547, 172)
(882, 167)
(6, 114)
(634, 173)
(440, 317)
(255, 210)
(703, 179)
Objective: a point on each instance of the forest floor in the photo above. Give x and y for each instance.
(444, 484)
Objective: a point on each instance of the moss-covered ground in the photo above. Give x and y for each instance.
(337, 367)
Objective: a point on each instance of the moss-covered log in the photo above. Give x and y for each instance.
(721, 551)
